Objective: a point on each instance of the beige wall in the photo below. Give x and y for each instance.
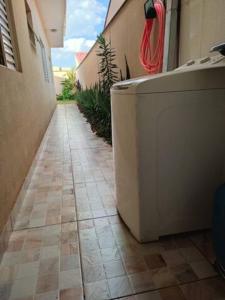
(114, 6)
(58, 84)
(202, 25)
(59, 76)
(125, 32)
(26, 104)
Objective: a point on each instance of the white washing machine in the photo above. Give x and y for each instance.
(169, 148)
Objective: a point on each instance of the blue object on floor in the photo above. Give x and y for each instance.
(219, 229)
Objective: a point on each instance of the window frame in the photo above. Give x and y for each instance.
(30, 25)
(2, 52)
(44, 61)
(13, 38)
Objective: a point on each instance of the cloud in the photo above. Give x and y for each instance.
(85, 17)
(85, 20)
(61, 56)
(73, 45)
(78, 44)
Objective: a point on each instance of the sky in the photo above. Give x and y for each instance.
(84, 21)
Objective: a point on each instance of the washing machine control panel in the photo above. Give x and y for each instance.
(204, 61)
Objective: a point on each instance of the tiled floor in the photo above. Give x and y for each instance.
(66, 248)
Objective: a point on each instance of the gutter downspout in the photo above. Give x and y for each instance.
(171, 44)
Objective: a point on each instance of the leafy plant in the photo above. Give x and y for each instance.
(94, 102)
(107, 68)
(78, 86)
(95, 105)
(69, 88)
(128, 76)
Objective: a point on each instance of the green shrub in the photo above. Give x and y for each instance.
(94, 102)
(69, 88)
(95, 105)
(108, 70)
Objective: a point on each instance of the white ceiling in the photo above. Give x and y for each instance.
(53, 14)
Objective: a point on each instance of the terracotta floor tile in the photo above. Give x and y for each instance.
(114, 269)
(50, 252)
(191, 254)
(109, 254)
(149, 296)
(8, 274)
(49, 266)
(89, 245)
(30, 255)
(47, 283)
(15, 245)
(97, 291)
(142, 282)
(13, 258)
(71, 294)
(183, 240)
(70, 248)
(110, 242)
(18, 235)
(173, 257)
(172, 293)
(183, 273)
(163, 278)
(135, 264)
(25, 298)
(155, 261)
(88, 234)
(130, 298)
(54, 295)
(203, 240)
(31, 243)
(27, 270)
(120, 286)
(69, 262)
(92, 258)
(203, 269)
(70, 279)
(24, 287)
(94, 273)
(211, 289)
(52, 219)
(52, 240)
(5, 290)
(86, 224)
(73, 176)
(168, 243)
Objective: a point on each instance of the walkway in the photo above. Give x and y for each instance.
(66, 246)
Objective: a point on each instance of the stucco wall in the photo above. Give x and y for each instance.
(58, 84)
(59, 76)
(125, 32)
(27, 102)
(113, 8)
(202, 25)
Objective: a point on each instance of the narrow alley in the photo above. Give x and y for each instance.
(68, 242)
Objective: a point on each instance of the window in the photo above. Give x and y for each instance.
(44, 60)
(30, 25)
(50, 69)
(7, 56)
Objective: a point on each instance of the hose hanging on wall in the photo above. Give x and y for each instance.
(154, 12)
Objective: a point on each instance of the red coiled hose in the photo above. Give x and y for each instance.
(152, 62)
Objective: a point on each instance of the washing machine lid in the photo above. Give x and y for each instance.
(192, 76)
